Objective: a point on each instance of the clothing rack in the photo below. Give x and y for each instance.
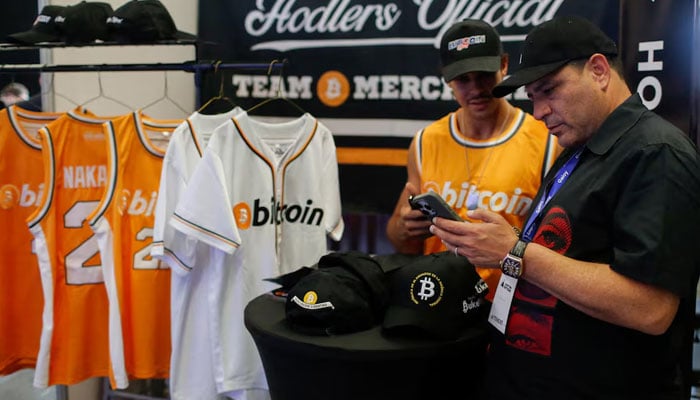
(198, 68)
(188, 66)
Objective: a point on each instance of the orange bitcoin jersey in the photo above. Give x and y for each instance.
(123, 224)
(502, 174)
(74, 339)
(21, 185)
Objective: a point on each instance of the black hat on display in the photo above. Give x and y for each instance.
(470, 45)
(553, 44)
(84, 22)
(43, 29)
(346, 293)
(436, 296)
(139, 21)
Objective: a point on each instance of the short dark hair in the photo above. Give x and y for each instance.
(15, 89)
(615, 62)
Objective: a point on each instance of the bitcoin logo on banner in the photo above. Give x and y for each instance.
(333, 88)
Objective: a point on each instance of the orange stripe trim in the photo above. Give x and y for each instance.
(372, 156)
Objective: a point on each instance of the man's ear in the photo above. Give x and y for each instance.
(600, 69)
(505, 59)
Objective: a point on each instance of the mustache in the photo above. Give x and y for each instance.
(551, 123)
(481, 96)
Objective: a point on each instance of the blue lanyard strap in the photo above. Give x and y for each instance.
(551, 189)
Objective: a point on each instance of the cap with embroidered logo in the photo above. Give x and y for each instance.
(553, 44)
(43, 29)
(143, 21)
(470, 45)
(435, 296)
(346, 293)
(84, 22)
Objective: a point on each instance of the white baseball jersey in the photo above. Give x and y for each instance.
(138, 286)
(191, 370)
(264, 197)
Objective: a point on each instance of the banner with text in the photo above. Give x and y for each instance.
(369, 70)
(660, 49)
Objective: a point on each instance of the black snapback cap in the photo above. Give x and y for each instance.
(346, 293)
(436, 296)
(553, 44)
(43, 29)
(143, 21)
(84, 22)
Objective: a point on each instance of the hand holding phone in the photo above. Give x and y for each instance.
(432, 205)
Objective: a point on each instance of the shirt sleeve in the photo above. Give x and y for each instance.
(655, 215)
(204, 210)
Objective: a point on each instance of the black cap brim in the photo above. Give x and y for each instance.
(524, 77)
(180, 35)
(398, 319)
(32, 37)
(461, 67)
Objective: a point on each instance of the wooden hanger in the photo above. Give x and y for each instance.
(279, 95)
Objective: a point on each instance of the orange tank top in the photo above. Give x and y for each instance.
(503, 173)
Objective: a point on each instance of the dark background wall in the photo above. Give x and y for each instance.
(17, 18)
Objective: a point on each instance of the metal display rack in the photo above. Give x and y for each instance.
(198, 68)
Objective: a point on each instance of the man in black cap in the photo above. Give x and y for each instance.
(486, 154)
(597, 295)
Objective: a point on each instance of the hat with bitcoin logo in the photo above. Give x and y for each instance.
(346, 293)
(435, 296)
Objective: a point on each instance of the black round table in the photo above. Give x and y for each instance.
(364, 365)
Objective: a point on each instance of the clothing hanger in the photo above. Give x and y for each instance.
(279, 95)
(101, 95)
(221, 97)
(166, 97)
(52, 89)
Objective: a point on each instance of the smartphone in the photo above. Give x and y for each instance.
(432, 205)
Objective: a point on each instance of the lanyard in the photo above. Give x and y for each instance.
(551, 189)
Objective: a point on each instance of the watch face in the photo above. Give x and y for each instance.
(511, 267)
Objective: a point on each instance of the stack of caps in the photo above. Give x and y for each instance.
(436, 296)
(137, 21)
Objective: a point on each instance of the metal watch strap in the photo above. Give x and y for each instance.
(519, 249)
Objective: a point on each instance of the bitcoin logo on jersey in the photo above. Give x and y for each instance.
(9, 196)
(276, 213)
(242, 214)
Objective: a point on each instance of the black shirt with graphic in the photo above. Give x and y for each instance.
(632, 202)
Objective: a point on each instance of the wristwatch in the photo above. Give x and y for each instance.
(512, 264)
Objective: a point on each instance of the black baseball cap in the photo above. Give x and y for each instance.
(84, 22)
(43, 29)
(144, 21)
(553, 44)
(436, 296)
(346, 293)
(470, 45)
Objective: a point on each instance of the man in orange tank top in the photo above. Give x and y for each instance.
(486, 154)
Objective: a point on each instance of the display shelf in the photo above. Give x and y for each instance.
(54, 45)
